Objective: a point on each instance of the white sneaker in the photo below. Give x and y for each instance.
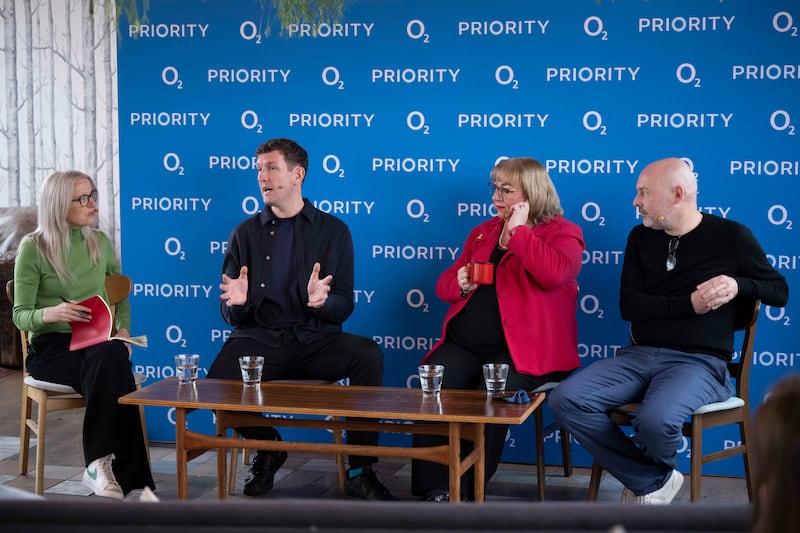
(665, 494)
(628, 496)
(99, 477)
(145, 494)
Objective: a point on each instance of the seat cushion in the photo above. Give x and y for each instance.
(730, 403)
(30, 381)
(49, 385)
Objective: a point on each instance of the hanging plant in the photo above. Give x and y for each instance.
(286, 12)
(293, 12)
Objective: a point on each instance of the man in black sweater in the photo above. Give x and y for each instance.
(682, 276)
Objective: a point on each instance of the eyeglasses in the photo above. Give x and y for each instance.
(84, 198)
(502, 191)
(671, 249)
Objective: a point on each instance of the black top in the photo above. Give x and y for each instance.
(657, 302)
(315, 237)
(478, 327)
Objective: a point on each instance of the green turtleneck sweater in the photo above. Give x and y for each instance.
(37, 286)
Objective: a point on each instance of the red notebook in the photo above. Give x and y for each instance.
(85, 334)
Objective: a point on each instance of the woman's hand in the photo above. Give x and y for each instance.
(464, 282)
(517, 216)
(125, 333)
(66, 312)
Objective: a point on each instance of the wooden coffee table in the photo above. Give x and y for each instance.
(455, 414)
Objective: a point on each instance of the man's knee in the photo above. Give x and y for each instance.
(657, 438)
(560, 398)
(366, 361)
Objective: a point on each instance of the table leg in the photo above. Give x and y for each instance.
(222, 465)
(479, 468)
(455, 461)
(180, 452)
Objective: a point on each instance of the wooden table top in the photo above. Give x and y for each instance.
(334, 400)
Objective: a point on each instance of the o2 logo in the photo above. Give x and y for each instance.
(504, 75)
(593, 121)
(777, 314)
(593, 27)
(783, 22)
(171, 77)
(415, 299)
(415, 29)
(332, 165)
(250, 121)
(590, 304)
(590, 212)
(780, 120)
(248, 30)
(416, 122)
(172, 163)
(778, 215)
(416, 209)
(332, 78)
(174, 335)
(687, 73)
(174, 248)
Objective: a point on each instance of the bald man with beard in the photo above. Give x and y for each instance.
(682, 276)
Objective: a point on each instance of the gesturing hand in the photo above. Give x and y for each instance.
(234, 290)
(318, 289)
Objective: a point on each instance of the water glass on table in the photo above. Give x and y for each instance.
(251, 367)
(430, 379)
(495, 376)
(186, 365)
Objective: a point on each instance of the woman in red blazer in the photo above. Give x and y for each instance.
(525, 317)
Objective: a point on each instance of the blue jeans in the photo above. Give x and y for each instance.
(670, 385)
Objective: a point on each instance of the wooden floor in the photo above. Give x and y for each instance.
(302, 476)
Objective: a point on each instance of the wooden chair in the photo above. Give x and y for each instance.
(50, 397)
(734, 410)
(566, 449)
(337, 439)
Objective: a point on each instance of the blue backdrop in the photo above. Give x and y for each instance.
(405, 107)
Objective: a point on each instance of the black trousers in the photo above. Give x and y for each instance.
(101, 373)
(463, 370)
(331, 357)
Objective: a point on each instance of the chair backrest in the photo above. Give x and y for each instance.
(23, 335)
(118, 287)
(746, 319)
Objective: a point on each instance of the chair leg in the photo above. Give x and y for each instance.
(41, 416)
(566, 452)
(24, 431)
(537, 415)
(233, 466)
(594, 482)
(696, 462)
(749, 453)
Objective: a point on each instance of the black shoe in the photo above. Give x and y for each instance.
(438, 496)
(262, 472)
(367, 487)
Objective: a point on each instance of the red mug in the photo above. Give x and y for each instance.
(481, 273)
